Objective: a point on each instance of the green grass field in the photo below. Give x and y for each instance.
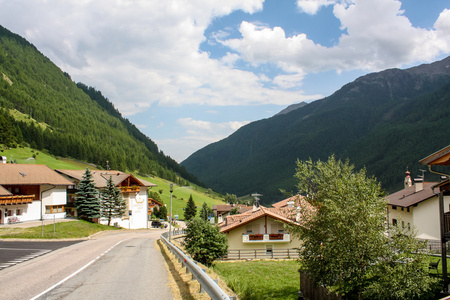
(180, 194)
(261, 279)
(62, 230)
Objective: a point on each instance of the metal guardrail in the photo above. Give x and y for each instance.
(206, 283)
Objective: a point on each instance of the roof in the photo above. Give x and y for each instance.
(4, 192)
(27, 174)
(156, 201)
(284, 203)
(101, 178)
(408, 196)
(441, 157)
(235, 221)
(224, 208)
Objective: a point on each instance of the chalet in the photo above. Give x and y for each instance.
(223, 210)
(260, 230)
(134, 190)
(31, 192)
(416, 206)
(152, 203)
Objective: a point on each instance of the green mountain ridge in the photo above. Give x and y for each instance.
(385, 121)
(79, 121)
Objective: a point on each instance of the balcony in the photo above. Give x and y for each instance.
(10, 200)
(129, 189)
(267, 237)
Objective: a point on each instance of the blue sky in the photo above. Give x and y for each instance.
(190, 73)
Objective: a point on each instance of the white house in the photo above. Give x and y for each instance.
(134, 190)
(31, 192)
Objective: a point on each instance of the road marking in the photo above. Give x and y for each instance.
(79, 270)
(24, 258)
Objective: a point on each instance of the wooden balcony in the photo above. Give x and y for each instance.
(19, 199)
(129, 189)
(266, 237)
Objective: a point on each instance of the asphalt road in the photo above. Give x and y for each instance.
(111, 265)
(14, 252)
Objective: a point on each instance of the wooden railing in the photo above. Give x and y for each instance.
(22, 199)
(261, 254)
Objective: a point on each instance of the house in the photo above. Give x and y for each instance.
(290, 202)
(31, 192)
(260, 231)
(133, 189)
(152, 203)
(223, 210)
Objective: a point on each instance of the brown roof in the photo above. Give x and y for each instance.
(235, 221)
(101, 178)
(441, 157)
(24, 174)
(4, 192)
(408, 197)
(283, 203)
(224, 208)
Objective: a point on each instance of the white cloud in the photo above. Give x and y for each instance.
(312, 6)
(378, 36)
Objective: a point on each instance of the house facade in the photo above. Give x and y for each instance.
(260, 230)
(31, 192)
(417, 206)
(134, 191)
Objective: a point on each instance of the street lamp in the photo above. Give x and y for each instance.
(170, 224)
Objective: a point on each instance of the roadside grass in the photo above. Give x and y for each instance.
(261, 279)
(61, 230)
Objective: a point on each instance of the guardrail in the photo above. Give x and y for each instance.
(206, 283)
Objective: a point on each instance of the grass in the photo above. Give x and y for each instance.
(261, 279)
(63, 230)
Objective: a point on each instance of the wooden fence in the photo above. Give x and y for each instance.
(314, 292)
(261, 254)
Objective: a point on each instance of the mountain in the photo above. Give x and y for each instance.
(385, 121)
(41, 107)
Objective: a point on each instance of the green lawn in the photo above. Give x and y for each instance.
(261, 279)
(62, 230)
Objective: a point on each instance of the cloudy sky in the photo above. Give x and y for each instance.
(191, 72)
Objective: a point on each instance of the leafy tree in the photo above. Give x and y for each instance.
(112, 203)
(342, 227)
(163, 212)
(154, 195)
(230, 198)
(234, 211)
(190, 210)
(87, 201)
(204, 242)
(205, 211)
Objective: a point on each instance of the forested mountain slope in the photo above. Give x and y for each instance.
(385, 121)
(76, 121)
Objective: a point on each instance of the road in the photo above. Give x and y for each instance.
(111, 265)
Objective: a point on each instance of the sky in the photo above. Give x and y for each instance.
(189, 73)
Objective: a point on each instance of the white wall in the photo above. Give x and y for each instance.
(52, 195)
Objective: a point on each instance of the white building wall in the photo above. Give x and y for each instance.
(53, 195)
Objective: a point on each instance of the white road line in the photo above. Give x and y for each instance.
(79, 270)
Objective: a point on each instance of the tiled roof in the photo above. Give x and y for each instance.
(27, 174)
(236, 221)
(408, 196)
(224, 208)
(4, 192)
(283, 203)
(101, 178)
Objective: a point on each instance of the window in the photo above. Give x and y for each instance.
(9, 213)
(53, 209)
(394, 207)
(269, 249)
(394, 222)
(249, 229)
(18, 212)
(407, 209)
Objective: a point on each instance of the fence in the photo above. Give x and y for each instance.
(261, 254)
(206, 283)
(314, 292)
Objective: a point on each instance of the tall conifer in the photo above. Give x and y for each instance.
(190, 210)
(112, 203)
(87, 201)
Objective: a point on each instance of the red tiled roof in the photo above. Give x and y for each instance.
(408, 196)
(224, 208)
(24, 174)
(4, 192)
(283, 203)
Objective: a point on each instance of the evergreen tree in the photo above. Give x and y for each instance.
(112, 202)
(87, 201)
(205, 211)
(190, 210)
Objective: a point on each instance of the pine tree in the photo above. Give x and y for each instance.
(87, 201)
(204, 213)
(112, 202)
(190, 210)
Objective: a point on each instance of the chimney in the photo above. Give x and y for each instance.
(418, 184)
(408, 181)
